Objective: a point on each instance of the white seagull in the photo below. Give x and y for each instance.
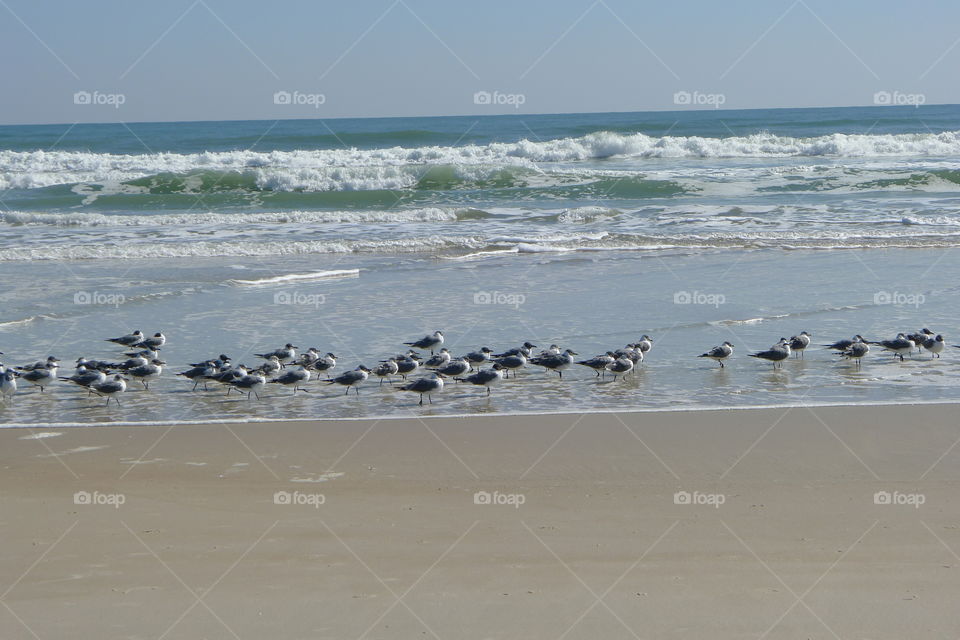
(42, 377)
(352, 379)
(111, 388)
(719, 353)
(428, 342)
(486, 377)
(425, 386)
(293, 378)
(775, 354)
(285, 355)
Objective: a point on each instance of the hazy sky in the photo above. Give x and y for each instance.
(226, 59)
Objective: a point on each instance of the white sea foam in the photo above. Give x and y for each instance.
(582, 215)
(351, 169)
(298, 277)
(430, 214)
(128, 250)
(472, 247)
(931, 221)
(526, 247)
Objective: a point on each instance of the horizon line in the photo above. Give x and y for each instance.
(475, 115)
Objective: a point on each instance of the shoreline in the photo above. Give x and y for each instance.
(456, 416)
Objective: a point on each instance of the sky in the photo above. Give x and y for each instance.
(128, 61)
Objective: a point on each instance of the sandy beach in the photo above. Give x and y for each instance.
(723, 524)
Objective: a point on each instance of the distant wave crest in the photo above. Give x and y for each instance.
(413, 167)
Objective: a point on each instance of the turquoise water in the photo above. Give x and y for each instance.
(778, 220)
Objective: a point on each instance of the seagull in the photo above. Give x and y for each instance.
(407, 364)
(551, 351)
(425, 386)
(620, 367)
(799, 342)
(128, 340)
(719, 353)
(631, 352)
(270, 366)
(132, 363)
(352, 379)
(555, 362)
(386, 369)
(486, 377)
(149, 354)
(439, 360)
(899, 346)
(512, 363)
(477, 358)
(309, 357)
(147, 372)
(293, 378)
(324, 363)
(843, 345)
(599, 363)
(286, 355)
(775, 354)
(524, 350)
(42, 377)
(111, 388)
(934, 345)
(101, 365)
(251, 384)
(86, 377)
(154, 342)
(428, 342)
(645, 344)
(39, 365)
(856, 351)
(201, 372)
(228, 376)
(455, 368)
(8, 384)
(221, 361)
(919, 337)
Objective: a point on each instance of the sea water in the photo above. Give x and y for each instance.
(584, 230)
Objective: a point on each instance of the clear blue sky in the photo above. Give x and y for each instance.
(225, 59)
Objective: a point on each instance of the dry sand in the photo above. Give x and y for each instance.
(399, 549)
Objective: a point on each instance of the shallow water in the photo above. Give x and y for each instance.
(589, 303)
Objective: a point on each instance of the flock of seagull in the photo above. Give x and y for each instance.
(288, 368)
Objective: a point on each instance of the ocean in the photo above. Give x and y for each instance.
(584, 230)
